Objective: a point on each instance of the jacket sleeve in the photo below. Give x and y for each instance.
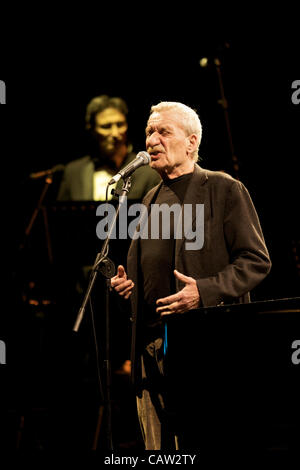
(64, 188)
(249, 260)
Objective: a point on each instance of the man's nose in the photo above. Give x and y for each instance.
(153, 140)
(114, 130)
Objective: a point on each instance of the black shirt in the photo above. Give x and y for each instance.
(157, 254)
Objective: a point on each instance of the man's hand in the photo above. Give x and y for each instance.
(186, 299)
(121, 284)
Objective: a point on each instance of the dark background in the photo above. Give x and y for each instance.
(47, 95)
(49, 81)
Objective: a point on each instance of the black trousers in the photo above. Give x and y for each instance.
(156, 416)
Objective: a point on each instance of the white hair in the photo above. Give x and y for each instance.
(190, 121)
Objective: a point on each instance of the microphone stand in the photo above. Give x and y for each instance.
(37, 209)
(224, 103)
(106, 267)
(21, 250)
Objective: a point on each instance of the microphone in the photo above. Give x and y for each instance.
(142, 158)
(40, 174)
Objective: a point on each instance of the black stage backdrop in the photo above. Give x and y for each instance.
(50, 380)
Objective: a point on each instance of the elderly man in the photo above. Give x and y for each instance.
(164, 277)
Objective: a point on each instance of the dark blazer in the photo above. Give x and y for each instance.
(234, 257)
(77, 181)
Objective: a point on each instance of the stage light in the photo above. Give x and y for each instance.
(203, 62)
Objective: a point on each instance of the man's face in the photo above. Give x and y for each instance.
(167, 142)
(110, 128)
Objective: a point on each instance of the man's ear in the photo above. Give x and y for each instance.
(192, 143)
